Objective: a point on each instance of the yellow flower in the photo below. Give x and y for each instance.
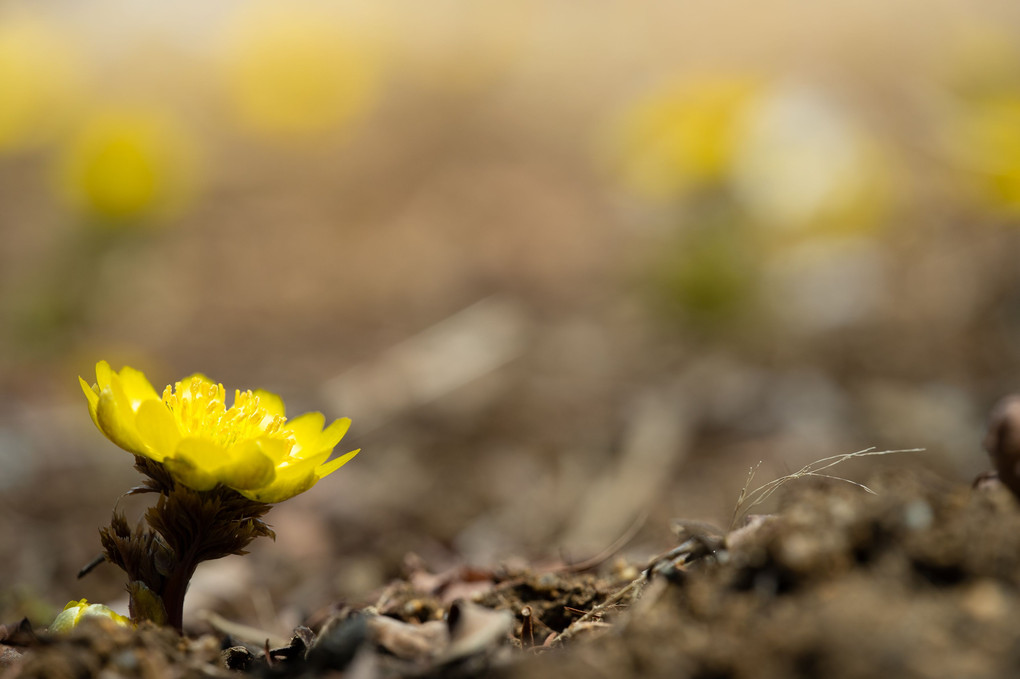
(988, 134)
(683, 137)
(128, 164)
(294, 72)
(250, 446)
(76, 611)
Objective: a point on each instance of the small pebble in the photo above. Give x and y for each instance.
(918, 515)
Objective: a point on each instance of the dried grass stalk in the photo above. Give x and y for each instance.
(748, 499)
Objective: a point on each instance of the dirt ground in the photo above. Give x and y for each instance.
(919, 579)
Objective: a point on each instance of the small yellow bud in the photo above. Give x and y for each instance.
(76, 611)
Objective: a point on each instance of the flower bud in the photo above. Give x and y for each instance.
(76, 611)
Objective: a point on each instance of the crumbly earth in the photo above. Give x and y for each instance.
(918, 581)
(921, 579)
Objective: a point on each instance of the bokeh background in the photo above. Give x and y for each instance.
(567, 266)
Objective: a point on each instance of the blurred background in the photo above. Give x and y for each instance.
(569, 268)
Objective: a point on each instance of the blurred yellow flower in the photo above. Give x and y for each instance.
(126, 165)
(988, 140)
(250, 447)
(37, 81)
(76, 611)
(683, 137)
(293, 72)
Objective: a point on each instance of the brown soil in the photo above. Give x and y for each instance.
(920, 580)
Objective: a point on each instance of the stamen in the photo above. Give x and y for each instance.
(200, 410)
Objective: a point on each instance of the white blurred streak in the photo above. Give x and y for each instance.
(459, 349)
(656, 442)
(799, 154)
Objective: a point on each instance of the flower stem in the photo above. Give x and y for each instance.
(173, 594)
(186, 527)
(177, 583)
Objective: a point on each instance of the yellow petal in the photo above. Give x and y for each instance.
(184, 471)
(248, 466)
(194, 463)
(92, 395)
(158, 429)
(307, 428)
(290, 481)
(69, 617)
(281, 490)
(275, 449)
(332, 434)
(310, 462)
(116, 420)
(103, 374)
(325, 470)
(76, 611)
(322, 445)
(102, 611)
(271, 402)
(136, 387)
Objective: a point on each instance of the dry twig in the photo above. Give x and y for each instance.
(608, 552)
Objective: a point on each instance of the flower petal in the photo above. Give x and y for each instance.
(158, 429)
(76, 611)
(296, 478)
(103, 374)
(195, 463)
(92, 395)
(290, 481)
(332, 434)
(307, 428)
(248, 466)
(275, 449)
(68, 618)
(311, 461)
(136, 387)
(116, 419)
(271, 402)
(325, 470)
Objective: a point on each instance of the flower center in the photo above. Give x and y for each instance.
(200, 410)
